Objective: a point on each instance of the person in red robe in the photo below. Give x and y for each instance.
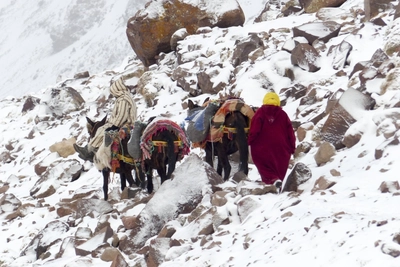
(272, 140)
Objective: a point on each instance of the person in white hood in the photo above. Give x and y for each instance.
(124, 112)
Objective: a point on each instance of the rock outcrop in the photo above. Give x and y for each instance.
(150, 33)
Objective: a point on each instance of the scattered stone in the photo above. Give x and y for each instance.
(322, 184)
(389, 187)
(324, 154)
(94, 243)
(254, 188)
(64, 148)
(110, 254)
(335, 172)
(298, 176)
(82, 75)
(247, 205)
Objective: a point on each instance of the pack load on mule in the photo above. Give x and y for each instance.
(158, 145)
(140, 147)
(106, 158)
(199, 121)
(124, 111)
(147, 144)
(224, 132)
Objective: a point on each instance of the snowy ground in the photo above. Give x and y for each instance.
(351, 224)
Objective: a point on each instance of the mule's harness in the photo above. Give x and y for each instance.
(229, 130)
(130, 160)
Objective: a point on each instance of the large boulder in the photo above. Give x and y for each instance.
(311, 6)
(346, 111)
(150, 32)
(375, 7)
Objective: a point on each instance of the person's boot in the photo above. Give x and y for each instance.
(278, 185)
(84, 153)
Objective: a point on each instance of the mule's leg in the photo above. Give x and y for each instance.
(140, 176)
(122, 177)
(172, 158)
(171, 168)
(244, 157)
(127, 169)
(217, 147)
(223, 158)
(210, 153)
(150, 186)
(162, 170)
(219, 167)
(106, 175)
(220, 162)
(241, 143)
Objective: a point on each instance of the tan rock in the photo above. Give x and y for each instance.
(64, 148)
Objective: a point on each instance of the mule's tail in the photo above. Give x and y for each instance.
(241, 141)
(171, 153)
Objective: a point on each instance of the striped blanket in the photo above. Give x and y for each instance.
(160, 124)
(217, 125)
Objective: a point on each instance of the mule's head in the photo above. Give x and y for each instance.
(193, 108)
(92, 126)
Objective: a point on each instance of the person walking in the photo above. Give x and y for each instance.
(124, 112)
(272, 140)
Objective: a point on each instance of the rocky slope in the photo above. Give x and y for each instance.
(335, 94)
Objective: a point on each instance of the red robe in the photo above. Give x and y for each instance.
(272, 142)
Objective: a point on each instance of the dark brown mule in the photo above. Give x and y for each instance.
(234, 128)
(163, 143)
(125, 167)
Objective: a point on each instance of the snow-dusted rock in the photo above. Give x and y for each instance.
(323, 31)
(192, 179)
(45, 239)
(306, 57)
(56, 174)
(98, 241)
(299, 175)
(311, 6)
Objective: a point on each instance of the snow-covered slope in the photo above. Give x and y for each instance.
(352, 223)
(45, 41)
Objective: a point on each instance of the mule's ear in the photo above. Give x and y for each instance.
(104, 119)
(206, 100)
(89, 125)
(151, 119)
(89, 121)
(190, 104)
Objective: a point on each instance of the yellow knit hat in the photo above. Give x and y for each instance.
(271, 98)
